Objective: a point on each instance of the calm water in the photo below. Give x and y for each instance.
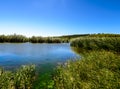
(13, 55)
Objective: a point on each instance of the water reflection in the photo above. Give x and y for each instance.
(13, 55)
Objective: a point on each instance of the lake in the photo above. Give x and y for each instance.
(13, 55)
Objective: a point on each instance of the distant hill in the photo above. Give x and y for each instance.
(89, 35)
(72, 36)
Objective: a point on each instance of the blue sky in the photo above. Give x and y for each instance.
(59, 17)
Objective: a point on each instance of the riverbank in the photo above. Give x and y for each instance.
(95, 70)
(98, 67)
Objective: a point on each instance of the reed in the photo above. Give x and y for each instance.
(95, 70)
(21, 79)
(97, 43)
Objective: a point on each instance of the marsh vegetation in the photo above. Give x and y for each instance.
(23, 78)
(97, 43)
(97, 68)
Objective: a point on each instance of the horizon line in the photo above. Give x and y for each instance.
(58, 35)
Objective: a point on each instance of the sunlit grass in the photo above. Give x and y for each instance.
(98, 68)
(21, 79)
(97, 43)
(95, 70)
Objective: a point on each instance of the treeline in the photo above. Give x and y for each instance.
(22, 39)
(34, 39)
(73, 36)
(37, 39)
(104, 35)
(13, 38)
(56, 39)
(90, 35)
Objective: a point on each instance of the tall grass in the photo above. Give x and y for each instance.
(97, 43)
(95, 70)
(45, 40)
(13, 38)
(21, 79)
(34, 39)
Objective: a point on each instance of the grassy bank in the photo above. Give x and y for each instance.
(98, 67)
(97, 43)
(95, 70)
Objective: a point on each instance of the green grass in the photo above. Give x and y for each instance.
(97, 43)
(21, 79)
(95, 70)
(55, 39)
(98, 68)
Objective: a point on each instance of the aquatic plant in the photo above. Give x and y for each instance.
(21, 79)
